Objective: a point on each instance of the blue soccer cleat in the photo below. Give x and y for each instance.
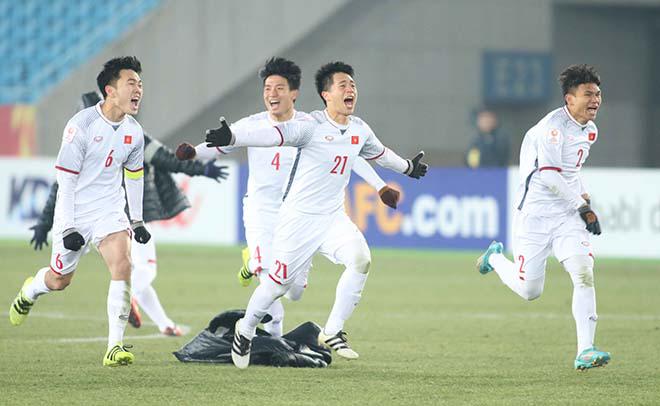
(591, 358)
(482, 262)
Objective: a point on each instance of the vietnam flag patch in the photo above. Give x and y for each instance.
(592, 136)
(128, 139)
(355, 139)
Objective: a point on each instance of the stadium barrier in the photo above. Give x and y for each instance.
(452, 208)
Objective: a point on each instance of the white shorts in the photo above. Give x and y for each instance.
(535, 238)
(259, 236)
(299, 236)
(64, 261)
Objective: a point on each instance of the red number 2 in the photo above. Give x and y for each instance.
(339, 160)
(521, 273)
(580, 154)
(276, 161)
(108, 160)
(280, 267)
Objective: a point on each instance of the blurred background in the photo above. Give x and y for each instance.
(462, 80)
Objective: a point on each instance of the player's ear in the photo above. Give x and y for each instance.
(294, 95)
(326, 96)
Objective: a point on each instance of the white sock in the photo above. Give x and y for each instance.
(347, 297)
(262, 299)
(147, 298)
(38, 285)
(274, 327)
(119, 306)
(580, 269)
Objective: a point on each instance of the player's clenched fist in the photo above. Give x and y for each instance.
(72, 239)
(389, 196)
(141, 234)
(185, 152)
(590, 219)
(221, 136)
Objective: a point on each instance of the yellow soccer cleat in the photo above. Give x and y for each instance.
(244, 275)
(21, 306)
(117, 356)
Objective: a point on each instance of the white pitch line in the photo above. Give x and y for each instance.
(100, 339)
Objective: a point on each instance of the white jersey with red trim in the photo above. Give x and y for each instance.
(558, 143)
(97, 150)
(325, 157)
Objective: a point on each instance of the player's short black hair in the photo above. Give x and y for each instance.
(575, 75)
(110, 73)
(324, 75)
(282, 67)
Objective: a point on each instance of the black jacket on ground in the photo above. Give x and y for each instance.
(298, 348)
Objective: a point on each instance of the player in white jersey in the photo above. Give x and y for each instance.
(269, 170)
(99, 145)
(553, 209)
(312, 218)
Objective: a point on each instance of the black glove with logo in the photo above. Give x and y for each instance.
(141, 234)
(72, 239)
(221, 136)
(211, 170)
(417, 168)
(590, 219)
(40, 237)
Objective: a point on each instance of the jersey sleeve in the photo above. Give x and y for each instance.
(134, 179)
(291, 133)
(72, 151)
(374, 150)
(549, 146)
(367, 172)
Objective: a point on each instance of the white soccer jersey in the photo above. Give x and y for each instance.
(557, 142)
(327, 151)
(97, 150)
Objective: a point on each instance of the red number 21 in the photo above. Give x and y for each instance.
(339, 160)
(280, 267)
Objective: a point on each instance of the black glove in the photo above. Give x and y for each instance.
(215, 172)
(73, 240)
(40, 237)
(417, 168)
(141, 234)
(590, 219)
(221, 136)
(389, 196)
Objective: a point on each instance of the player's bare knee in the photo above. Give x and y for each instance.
(581, 270)
(57, 282)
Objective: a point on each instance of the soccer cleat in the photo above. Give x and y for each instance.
(482, 262)
(240, 349)
(117, 356)
(591, 358)
(174, 331)
(134, 317)
(20, 307)
(339, 343)
(244, 275)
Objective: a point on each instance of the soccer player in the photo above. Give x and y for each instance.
(162, 200)
(269, 170)
(312, 217)
(99, 144)
(553, 214)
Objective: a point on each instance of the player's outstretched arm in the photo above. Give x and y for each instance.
(292, 133)
(389, 196)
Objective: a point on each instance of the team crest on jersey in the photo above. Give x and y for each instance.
(69, 134)
(128, 139)
(329, 138)
(592, 136)
(355, 139)
(98, 138)
(554, 136)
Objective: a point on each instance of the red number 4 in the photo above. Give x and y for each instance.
(276, 161)
(339, 160)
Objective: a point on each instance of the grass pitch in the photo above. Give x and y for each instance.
(429, 330)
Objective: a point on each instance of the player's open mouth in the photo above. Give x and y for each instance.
(135, 102)
(349, 102)
(274, 103)
(592, 110)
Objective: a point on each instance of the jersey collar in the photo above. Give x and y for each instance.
(111, 123)
(341, 127)
(275, 123)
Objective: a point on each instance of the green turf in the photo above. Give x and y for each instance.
(429, 330)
